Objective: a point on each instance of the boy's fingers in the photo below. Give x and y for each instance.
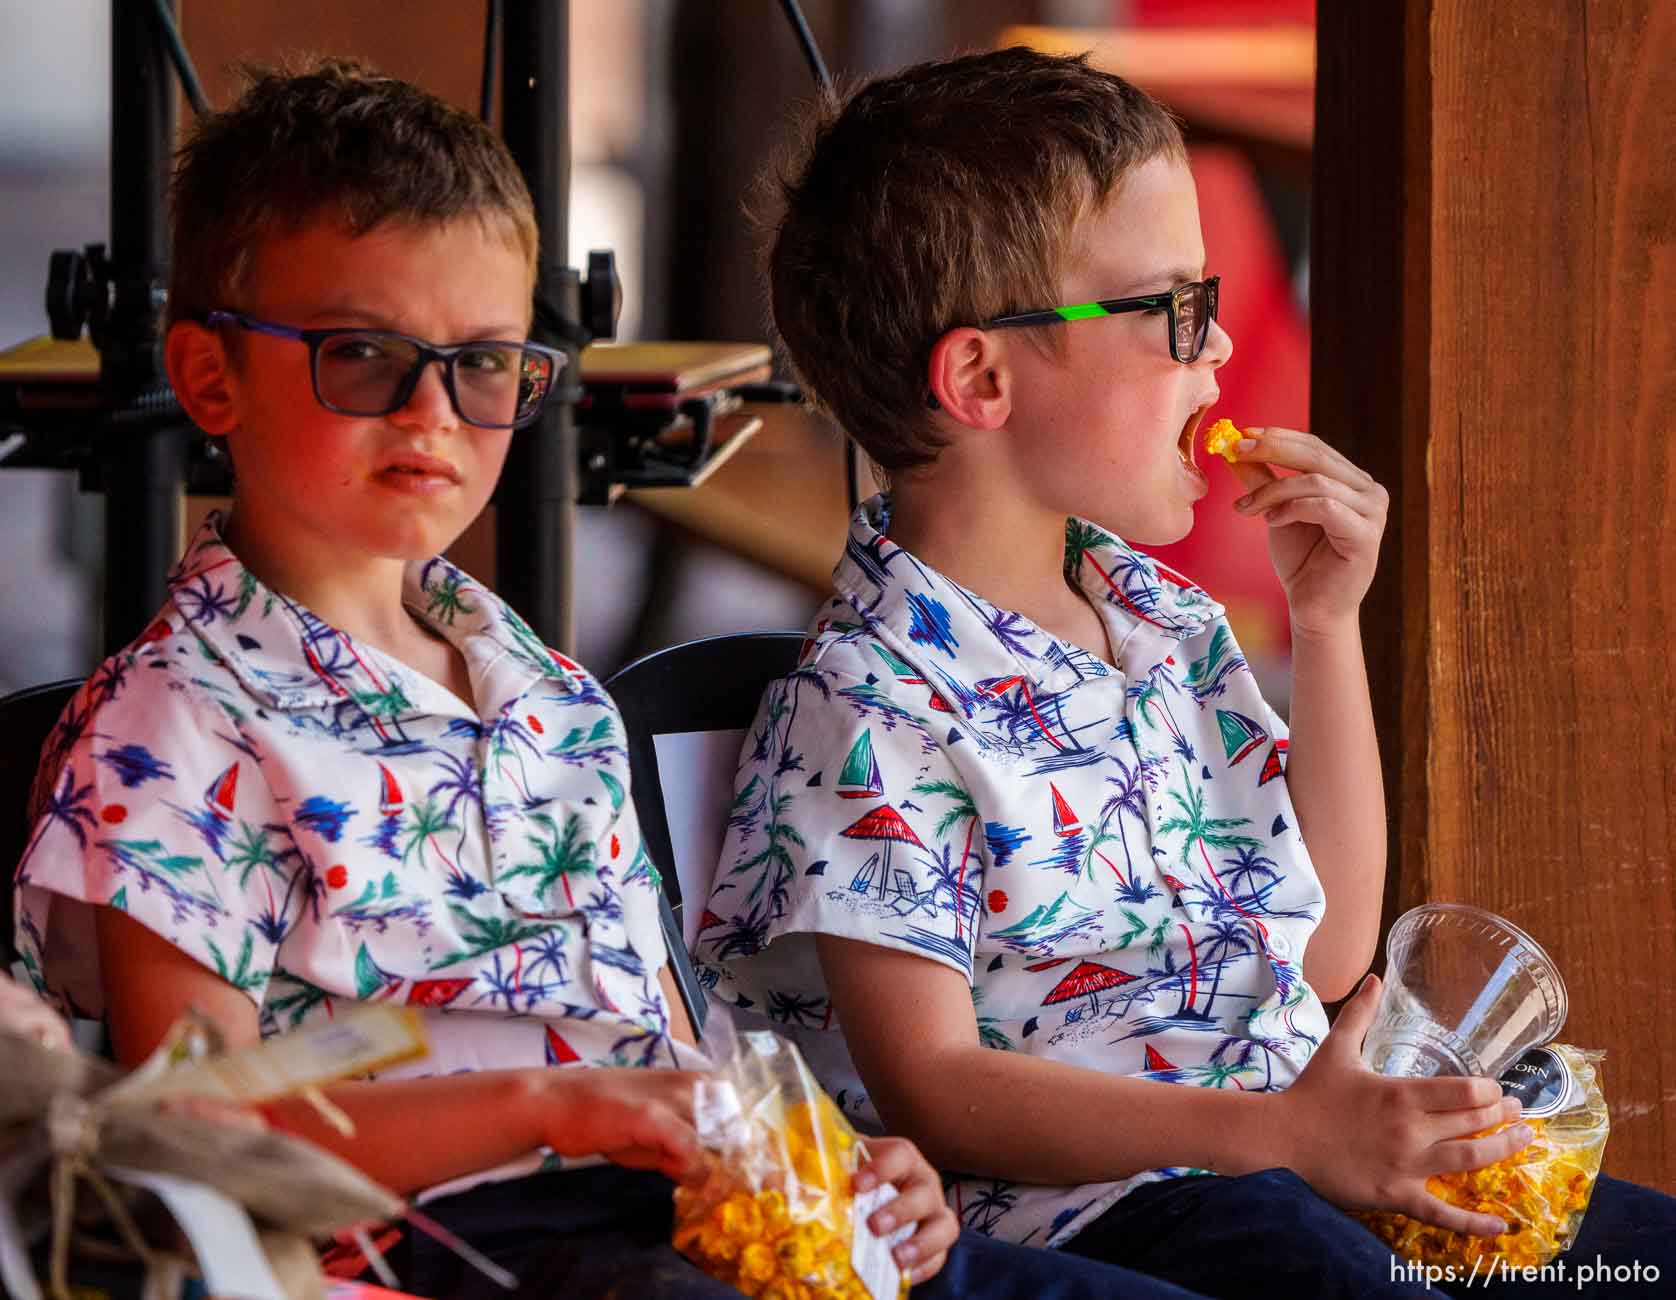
(892, 1160)
(664, 1141)
(1460, 1093)
(928, 1270)
(933, 1240)
(1252, 475)
(1474, 1119)
(1354, 1017)
(1456, 1156)
(47, 1030)
(1302, 486)
(1429, 1209)
(1298, 450)
(935, 1234)
(918, 1202)
(1344, 528)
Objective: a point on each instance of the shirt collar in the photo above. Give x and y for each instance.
(926, 618)
(285, 654)
(1133, 589)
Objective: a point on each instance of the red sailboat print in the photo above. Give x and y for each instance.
(1065, 822)
(559, 1052)
(222, 792)
(390, 793)
(1272, 765)
(436, 993)
(1155, 1059)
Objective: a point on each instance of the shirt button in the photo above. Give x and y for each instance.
(1280, 946)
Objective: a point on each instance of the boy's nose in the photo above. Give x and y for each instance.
(1219, 346)
(428, 406)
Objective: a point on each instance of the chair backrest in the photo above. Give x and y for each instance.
(692, 702)
(26, 717)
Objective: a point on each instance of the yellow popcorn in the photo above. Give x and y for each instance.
(1541, 1192)
(774, 1217)
(1222, 438)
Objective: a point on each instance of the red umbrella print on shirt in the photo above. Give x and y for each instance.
(1088, 979)
(884, 823)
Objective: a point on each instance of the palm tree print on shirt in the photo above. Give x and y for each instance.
(559, 856)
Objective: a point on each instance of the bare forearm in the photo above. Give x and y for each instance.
(1333, 776)
(414, 1133)
(1006, 1119)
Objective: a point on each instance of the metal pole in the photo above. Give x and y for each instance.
(143, 466)
(536, 499)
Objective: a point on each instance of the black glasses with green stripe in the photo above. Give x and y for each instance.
(1190, 309)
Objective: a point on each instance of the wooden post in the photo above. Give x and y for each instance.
(1494, 326)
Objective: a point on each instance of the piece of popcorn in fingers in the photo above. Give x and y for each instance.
(1222, 438)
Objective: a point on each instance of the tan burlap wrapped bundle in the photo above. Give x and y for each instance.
(72, 1128)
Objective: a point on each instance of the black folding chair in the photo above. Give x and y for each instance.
(26, 717)
(710, 685)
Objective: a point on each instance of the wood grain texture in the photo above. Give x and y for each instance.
(1553, 591)
(1521, 647)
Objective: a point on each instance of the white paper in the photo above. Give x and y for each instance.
(222, 1239)
(695, 773)
(870, 1255)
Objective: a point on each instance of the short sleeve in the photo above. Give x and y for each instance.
(157, 807)
(848, 820)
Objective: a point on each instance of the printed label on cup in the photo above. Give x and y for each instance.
(1541, 1082)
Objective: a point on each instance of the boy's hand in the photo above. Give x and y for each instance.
(24, 1014)
(919, 1201)
(640, 1118)
(1325, 522)
(1367, 1142)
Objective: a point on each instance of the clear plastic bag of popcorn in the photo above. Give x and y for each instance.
(776, 1216)
(1541, 1192)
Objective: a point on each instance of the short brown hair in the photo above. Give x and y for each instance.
(335, 137)
(937, 196)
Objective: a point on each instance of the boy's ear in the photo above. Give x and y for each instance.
(964, 379)
(201, 373)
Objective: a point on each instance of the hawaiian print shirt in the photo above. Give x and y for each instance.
(1107, 852)
(319, 824)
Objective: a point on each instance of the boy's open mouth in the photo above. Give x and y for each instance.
(1187, 444)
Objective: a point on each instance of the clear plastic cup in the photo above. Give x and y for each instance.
(1466, 992)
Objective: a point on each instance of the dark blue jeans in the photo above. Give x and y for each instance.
(1268, 1234)
(604, 1232)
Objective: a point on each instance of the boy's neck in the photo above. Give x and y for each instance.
(994, 542)
(359, 595)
